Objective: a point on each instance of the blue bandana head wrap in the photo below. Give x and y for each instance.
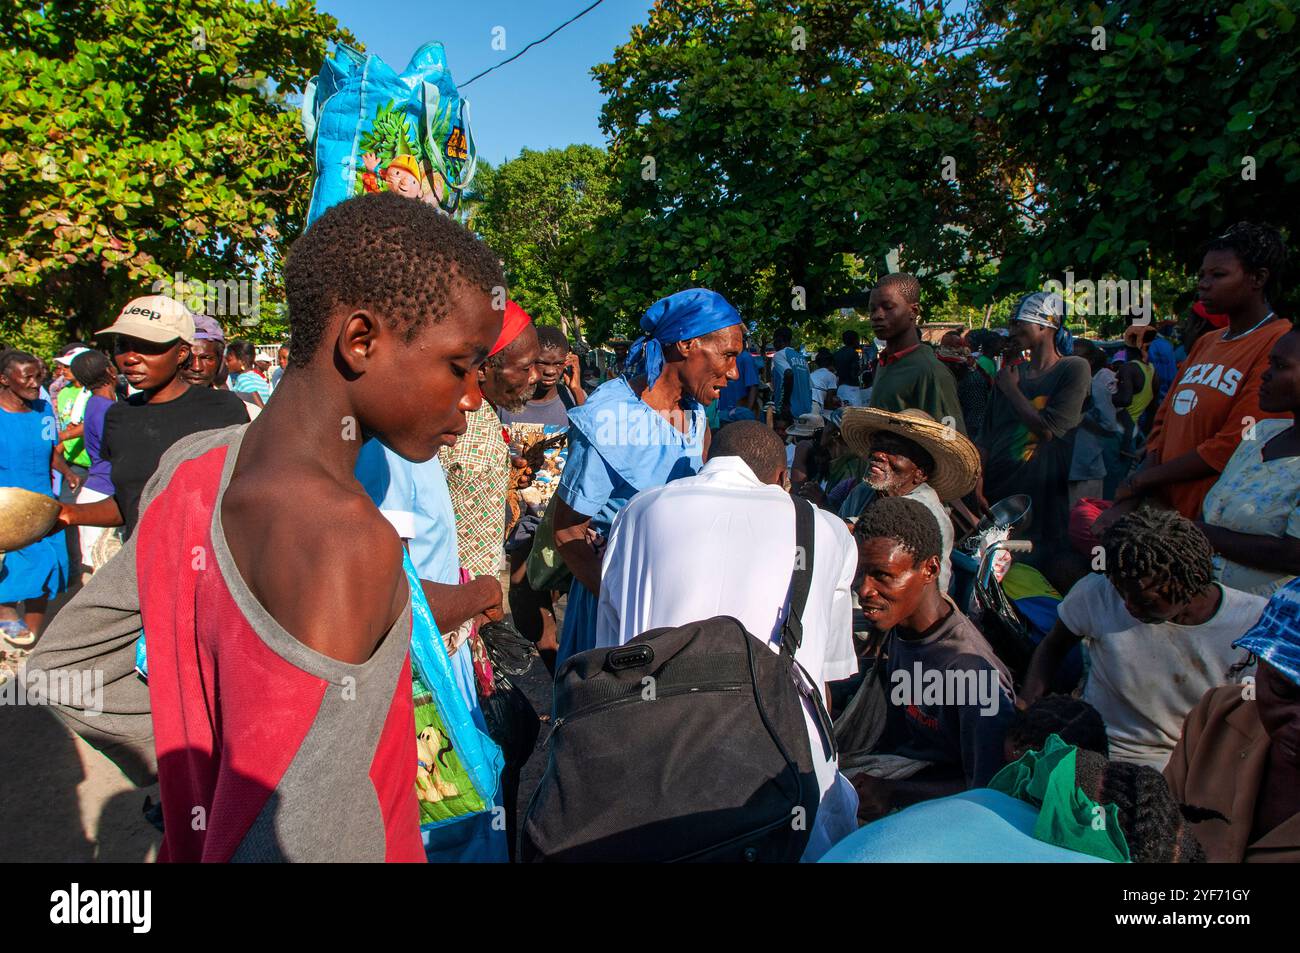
(1046, 309)
(1275, 638)
(679, 317)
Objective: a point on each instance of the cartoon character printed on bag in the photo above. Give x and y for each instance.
(431, 752)
(372, 129)
(402, 175)
(392, 143)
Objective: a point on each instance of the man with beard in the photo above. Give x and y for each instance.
(478, 466)
(544, 419)
(911, 455)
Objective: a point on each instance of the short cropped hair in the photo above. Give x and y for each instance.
(906, 284)
(760, 448)
(395, 255)
(14, 356)
(906, 522)
(551, 338)
(92, 368)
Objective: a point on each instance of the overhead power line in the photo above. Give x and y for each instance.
(511, 59)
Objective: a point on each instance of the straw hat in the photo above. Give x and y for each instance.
(956, 461)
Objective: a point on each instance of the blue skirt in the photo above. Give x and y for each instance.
(579, 632)
(40, 569)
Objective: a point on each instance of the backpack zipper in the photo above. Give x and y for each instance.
(619, 702)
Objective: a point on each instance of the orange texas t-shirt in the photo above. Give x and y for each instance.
(1211, 406)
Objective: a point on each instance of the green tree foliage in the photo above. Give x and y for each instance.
(1150, 127)
(140, 139)
(777, 152)
(534, 210)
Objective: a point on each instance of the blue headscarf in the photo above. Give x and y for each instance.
(679, 317)
(1275, 638)
(1046, 309)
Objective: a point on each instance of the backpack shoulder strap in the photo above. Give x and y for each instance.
(801, 577)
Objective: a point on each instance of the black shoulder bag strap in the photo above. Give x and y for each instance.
(800, 578)
(792, 628)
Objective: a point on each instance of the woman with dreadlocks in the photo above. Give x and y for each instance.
(1158, 630)
(1215, 400)
(1240, 750)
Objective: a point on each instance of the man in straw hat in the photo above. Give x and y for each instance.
(913, 455)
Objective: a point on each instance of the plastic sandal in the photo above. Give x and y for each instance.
(17, 634)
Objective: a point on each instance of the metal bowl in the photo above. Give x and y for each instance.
(25, 517)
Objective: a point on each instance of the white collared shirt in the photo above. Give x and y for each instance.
(722, 543)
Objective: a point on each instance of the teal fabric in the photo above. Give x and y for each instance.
(977, 826)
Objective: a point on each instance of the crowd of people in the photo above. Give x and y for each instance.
(302, 587)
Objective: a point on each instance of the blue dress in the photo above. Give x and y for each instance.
(26, 443)
(415, 499)
(618, 446)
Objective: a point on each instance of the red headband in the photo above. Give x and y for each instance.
(516, 320)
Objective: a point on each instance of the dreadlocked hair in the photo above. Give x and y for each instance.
(1162, 545)
(1250, 660)
(1256, 247)
(1154, 824)
(1072, 719)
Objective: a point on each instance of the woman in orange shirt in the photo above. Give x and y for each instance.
(1214, 401)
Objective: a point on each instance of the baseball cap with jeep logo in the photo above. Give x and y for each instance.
(156, 318)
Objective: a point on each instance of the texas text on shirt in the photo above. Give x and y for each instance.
(1211, 406)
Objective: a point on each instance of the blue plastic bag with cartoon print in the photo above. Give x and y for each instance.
(375, 130)
(458, 775)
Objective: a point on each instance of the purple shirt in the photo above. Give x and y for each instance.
(99, 478)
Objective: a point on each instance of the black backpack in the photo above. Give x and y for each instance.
(685, 744)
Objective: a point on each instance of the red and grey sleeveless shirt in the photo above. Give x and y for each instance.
(267, 750)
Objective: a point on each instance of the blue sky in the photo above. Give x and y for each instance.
(546, 98)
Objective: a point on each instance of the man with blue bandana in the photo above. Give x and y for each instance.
(639, 431)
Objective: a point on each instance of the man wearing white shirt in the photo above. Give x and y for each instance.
(824, 382)
(722, 543)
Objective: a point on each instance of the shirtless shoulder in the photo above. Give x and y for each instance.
(320, 559)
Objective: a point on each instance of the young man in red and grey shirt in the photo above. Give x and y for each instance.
(278, 716)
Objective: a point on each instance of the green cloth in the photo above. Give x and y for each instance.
(71, 408)
(990, 366)
(1067, 817)
(918, 381)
